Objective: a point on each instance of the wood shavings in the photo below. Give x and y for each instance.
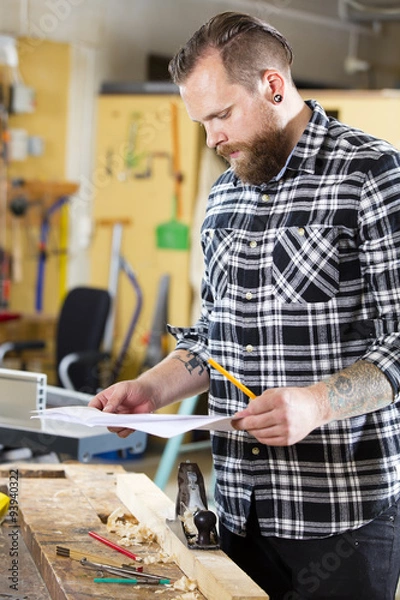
(158, 558)
(188, 587)
(185, 585)
(132, 532)
(188, 521)
(119, 517)
(128, 528)
(187, 596)
(136, 534)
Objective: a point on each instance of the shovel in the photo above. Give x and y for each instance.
(173, 235)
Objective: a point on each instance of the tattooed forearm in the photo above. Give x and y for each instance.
(359, 389)
(192, 362)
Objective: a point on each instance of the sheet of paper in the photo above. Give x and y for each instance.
(162, 425)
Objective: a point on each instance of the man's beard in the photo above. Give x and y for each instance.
(261, 159)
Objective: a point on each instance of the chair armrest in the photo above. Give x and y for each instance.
(20, 347)
(85, 357)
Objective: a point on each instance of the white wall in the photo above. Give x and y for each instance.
(125, 31)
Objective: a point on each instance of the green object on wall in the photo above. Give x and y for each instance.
(173, 235)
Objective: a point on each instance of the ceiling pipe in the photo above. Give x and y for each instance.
(352, 10)
(353, 64)
(265, 9)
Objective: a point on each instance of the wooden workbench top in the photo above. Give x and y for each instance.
(56, 505)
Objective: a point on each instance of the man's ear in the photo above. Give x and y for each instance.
(272, 84)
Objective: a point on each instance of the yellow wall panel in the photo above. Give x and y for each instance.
(135, 182)
(375, 112)
(45, 66)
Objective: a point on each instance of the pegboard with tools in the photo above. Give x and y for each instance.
(146, 172)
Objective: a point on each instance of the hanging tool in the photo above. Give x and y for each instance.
(131, 159)
(178, 176)
(18, 206)
(174, 235)
(118, 264)
(44, 233)
(148, 171)
(4, 158)
(4, 278)
(157, 343)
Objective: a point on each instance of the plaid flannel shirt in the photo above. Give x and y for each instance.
(302, 279)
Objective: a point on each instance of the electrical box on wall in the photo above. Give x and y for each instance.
(22, 99)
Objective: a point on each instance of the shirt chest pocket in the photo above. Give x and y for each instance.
(217, 245)
(306, 264)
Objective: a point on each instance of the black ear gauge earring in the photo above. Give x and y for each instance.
(278, 98)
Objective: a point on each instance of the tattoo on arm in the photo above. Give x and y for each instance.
(359, 389)
(193, 363)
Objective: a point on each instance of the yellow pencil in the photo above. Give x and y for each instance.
(232, 379)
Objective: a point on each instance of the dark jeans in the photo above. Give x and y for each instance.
(363, 564)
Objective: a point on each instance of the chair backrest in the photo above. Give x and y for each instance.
(81, 327)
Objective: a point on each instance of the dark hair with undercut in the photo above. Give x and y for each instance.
(247, 46)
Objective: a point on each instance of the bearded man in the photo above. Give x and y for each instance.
(301, 303)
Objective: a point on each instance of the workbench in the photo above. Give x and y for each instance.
(58, 504)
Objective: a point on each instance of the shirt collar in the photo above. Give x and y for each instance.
(305, 153)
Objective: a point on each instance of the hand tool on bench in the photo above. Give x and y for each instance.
(123, 572)
(194, 524)
(114, 546)
(79, 555)
(130, 581)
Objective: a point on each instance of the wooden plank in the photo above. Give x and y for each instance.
(58, 505)
(218, 578)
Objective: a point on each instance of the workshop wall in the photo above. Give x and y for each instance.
(144, 143)
(46, 68)
(375, 112)
(124, 32)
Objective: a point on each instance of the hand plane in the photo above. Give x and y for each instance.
(194, 524)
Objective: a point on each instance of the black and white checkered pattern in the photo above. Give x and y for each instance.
(302, 278)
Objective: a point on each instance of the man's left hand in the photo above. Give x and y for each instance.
(283, 416)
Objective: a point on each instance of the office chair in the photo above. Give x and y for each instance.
(80, 331)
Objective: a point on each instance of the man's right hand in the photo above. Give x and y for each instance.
(178, 376)
(124, 397)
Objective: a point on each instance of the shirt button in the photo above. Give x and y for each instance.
(265, 198)
(249, 348)
(249, 296)
(255, 451)
(253, 244)
(301, 231)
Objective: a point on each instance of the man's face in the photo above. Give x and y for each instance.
(261, 157)
(241, 126)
